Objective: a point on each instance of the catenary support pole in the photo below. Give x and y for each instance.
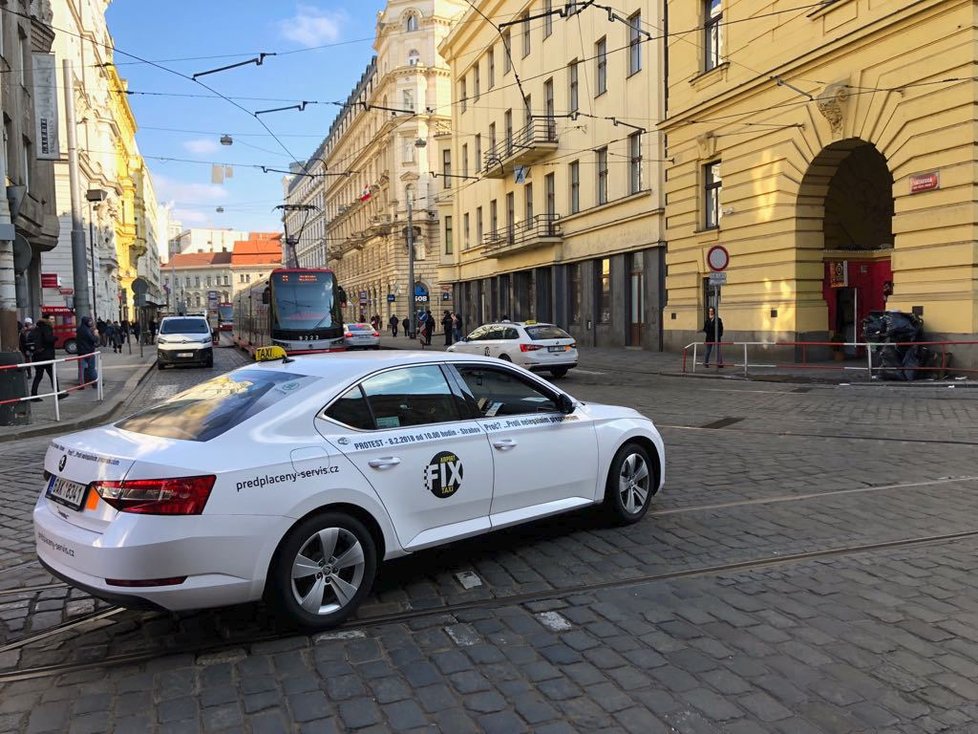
(79, 268)
(412, 303)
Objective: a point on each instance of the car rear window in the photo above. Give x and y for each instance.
(207, 410)
(359, 327)
(184, 326)
(546, 331)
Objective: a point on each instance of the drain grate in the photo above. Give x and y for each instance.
(723, 422)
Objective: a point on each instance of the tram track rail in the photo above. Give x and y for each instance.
(369, 622)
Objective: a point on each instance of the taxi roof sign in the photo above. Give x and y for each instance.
(267, 354)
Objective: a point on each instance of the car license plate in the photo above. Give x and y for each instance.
(66, 492)
(556, 349)
(185, 355)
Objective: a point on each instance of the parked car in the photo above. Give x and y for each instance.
(184, 340)
(534, 346)
(293, 479)
(361, 336)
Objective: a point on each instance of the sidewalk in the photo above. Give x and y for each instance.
(670, 364)
(81, 409)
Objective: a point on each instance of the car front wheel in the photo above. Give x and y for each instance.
(323, 570)
(631, 481)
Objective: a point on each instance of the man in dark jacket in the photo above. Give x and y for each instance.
(87, 342)
(446, 323)
(393, 323)
(44, 342)
(713, 326)
(27, 345)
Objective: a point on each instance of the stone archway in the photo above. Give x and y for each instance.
(845, 226)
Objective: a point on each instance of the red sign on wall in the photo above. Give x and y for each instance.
(50, 280)
(924, 182)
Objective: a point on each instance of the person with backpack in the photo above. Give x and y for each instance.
(27, 342)
(44, 341)
(87, 342)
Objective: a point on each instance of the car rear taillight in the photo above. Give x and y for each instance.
(174, 496)
(573, 345)
(347, 334)
(529, 347)
(376, 333)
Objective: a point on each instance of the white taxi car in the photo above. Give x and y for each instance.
(293, 479)
(535, 346)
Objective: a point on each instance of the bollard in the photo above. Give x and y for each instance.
(13, 385)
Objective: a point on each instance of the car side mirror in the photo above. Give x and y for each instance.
(565, 404)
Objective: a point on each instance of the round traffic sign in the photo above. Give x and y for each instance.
(718, 258)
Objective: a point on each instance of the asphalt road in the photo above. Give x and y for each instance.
(807, 568)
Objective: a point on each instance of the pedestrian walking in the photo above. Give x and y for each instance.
(457, 326)
(100, 333)
(713, 326)
(44, 341)
(446, 323)
(407, 327)
(115, 337)
(27, 342)
(87, 341)
(393, 323)
(429, 326)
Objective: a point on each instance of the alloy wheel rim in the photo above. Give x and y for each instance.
(327, 571)
(633, 483)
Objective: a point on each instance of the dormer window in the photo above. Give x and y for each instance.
(414, 58)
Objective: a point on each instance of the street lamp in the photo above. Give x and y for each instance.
(412, 299)
(94, 197)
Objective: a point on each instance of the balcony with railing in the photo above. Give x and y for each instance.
(535, 141)
(542, 229)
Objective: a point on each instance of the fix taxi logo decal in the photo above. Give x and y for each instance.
(443, 474)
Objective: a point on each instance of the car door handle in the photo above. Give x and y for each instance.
(385, 462)
(504, 443)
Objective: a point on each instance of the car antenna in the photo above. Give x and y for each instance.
(286, 359)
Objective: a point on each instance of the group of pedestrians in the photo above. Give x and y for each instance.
(451, 324)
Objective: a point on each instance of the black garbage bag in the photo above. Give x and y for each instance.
(903, 327)
(913, 360)
(874, 327)
(890, 362)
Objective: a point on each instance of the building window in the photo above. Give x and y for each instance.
(478, 225)
(449, 247)
(446, 168)
(411, 24)
(493, 217)
(227, 280)
(476, 83)
(604, 290)
(408, 95)
(247, 277)
(26, 157)
(634, 163)
(526, 35)
(414, 58)
(601, 58)
(575, 187)
(602, 161)
(634, 44)
(508, 121)
(507, 51)
(548, 19)
(208, 281)
(572, 83)
(465, 160)
(25, 56)
(712, 184)
(463, 95)
(510, 215)
(712, 29)
(528, 204)
(491, 68)
(574, 291)
(197, 281)
(467, 243)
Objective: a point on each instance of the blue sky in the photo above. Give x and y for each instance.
(168, 31)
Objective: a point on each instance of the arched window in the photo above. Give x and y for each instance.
(411, 23)
(414, 58)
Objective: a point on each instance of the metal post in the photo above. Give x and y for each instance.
(91, 253)
(745, 359)
(410, 245)
(54, 381)
(79, 268)
(694, 358)
(98, 369)
(869, 359)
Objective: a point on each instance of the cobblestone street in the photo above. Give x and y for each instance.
(807, 568)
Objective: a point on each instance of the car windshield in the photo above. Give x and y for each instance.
(303, 300)
(214, 407)
(184, 326)
(546, 331)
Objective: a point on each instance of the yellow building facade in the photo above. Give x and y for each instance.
(830, 151)
(126, 206)
(551, 188)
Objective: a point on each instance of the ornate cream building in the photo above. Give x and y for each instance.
(380, 152)
(555, 197)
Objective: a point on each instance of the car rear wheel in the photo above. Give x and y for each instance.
(631, 482)
(558, 371)
(505, 358)
(71, 346)
(323, 570)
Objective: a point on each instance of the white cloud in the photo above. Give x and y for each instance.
(311, 26)
(201, 146)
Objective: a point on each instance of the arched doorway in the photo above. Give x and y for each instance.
(846, 196)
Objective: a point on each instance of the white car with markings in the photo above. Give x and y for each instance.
(535, 346)
(293, 479)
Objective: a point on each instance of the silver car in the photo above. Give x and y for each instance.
(361, 336)
(184, 340)
(534, 346)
